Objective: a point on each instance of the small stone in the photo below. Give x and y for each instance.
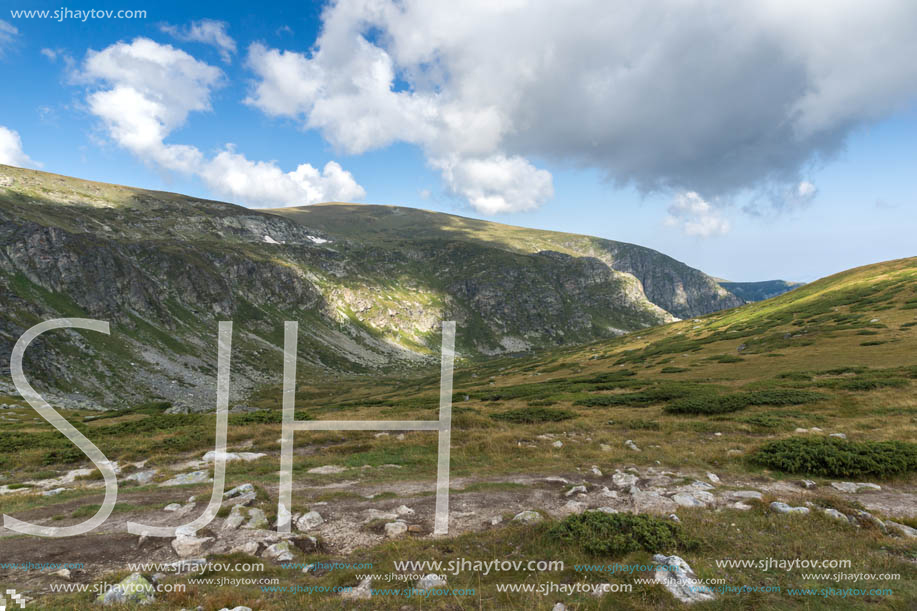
(395, 529)
(784, 508)
(496, 520)
(834, 513)
(838, 435)
(815, 429)
(596, 471)
(801, 430)
(675, 518)
(527, 517)
(558, 444)
(172, 507)
(807, 484)
(404, 510)
(53, 492)
(576, 489)
(559, 607)
(630, 445)
(430, 582)
(713, 477)
(63, 574)
(415, 529)
(740, 506)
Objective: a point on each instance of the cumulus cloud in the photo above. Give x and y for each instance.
(146, 90)
(668, 96)
(207, 31)
(11, 152)
(496, 184)
(696, 217)
(234, 176)
(8, 33)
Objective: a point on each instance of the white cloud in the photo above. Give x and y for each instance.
(148, 90)
(8, 33)
(496, 184)
(11, 152)
(668, 96)
(263, 184)
(207, 31)
(696, 217)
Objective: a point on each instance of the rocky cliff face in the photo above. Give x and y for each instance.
(163, 269)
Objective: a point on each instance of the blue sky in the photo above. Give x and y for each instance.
(791, 156)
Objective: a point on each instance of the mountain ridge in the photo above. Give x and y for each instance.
(368, 286)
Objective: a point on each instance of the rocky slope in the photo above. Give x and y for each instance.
(368, 284)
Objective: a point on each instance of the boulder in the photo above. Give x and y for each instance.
(363, 591)
(133, 590)
(784, 508)
(310, 520)
(189, 545)
(395, 529)
(280, 552)
(902, 529)
(527, 517)
(679, 579)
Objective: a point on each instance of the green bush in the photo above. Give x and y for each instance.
(673, 369)
(532, 415)
(721, 404)
(616, 534)
(832, 457)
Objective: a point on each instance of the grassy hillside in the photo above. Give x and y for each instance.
(750, 395)
(369, 285)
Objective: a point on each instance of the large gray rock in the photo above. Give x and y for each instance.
(134, 590)
(785, 509)
(527, 517)
(280, 552)
(363, 591)
(194, 477)
(187, 546)
(650, 501)
(310, 520)
(679, 579)
(902, 529)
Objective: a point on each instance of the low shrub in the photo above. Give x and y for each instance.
(532, 415)
(832, 457)
(616, 534)
(721, 404)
